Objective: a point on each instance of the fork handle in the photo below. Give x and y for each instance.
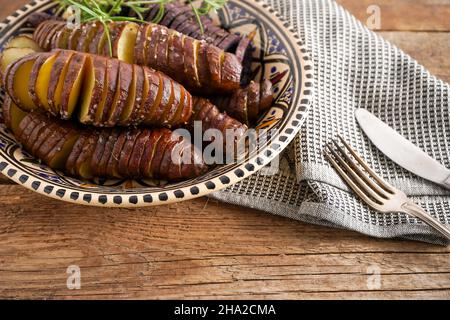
(416, 211)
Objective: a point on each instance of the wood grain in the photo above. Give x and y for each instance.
(200, 249)
(404, 15)
(204, 249)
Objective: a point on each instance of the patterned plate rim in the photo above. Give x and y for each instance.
(301, 103)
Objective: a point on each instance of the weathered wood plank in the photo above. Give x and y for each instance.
(431, 49)
(198, 249)
(404, 15)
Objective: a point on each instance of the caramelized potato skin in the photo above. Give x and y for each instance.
(247, 104)
(157, 47)
(110, 153)
(107, 83)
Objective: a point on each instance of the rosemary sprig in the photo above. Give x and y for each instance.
(106, 11)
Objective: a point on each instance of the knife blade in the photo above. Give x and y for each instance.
(402, 151)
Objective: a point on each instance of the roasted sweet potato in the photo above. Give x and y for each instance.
(246, 105)
(155, 46)
(210, 117)
(12, 114)
(105, 92)
(86, 153)
(179, 16)
(17, 76)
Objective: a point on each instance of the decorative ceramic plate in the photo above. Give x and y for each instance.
(278, 55)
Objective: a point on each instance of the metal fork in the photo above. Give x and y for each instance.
(374, 190)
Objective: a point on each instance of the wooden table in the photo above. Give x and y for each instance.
(205, 249)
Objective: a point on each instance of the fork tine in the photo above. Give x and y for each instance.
(380, 180)
(380, 191)
(350, 182)
(356, 173)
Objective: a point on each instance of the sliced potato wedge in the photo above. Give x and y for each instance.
(130, 105)
(23, 41)
(11, 55)
(57, 76)
(93, 88)
(87, 35)
(43, 80)
(112, 78)
(72, 85)
(123, 89)
(16, 79)
(127, 42)
(12, 114)
(58, 156)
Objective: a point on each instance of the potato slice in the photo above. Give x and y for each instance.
(59, 155)
(11, 55)
(24, 42)
(12, 114)
(76, 151)
(73, 38)
(57, 77)
(137, 153)
(43, 80)
(175, 119)
(159, 153)
(191, 47)
(139, 52)
(122, 91)
(112, 78)
(52, 141)
(155, 95)
(34, 76)
(130, 105)
(16, 79)
(38, 133)
(41, 143)
(83, 164)
(102, 164)
(152, 46)
(140, 118)
(112, 166)
(138, 105)
(52, 33)
(127, 42)
(62, 39)
(99, 151)
(125, 155)
(167, 102)
(94, 45)
(176, 54)
(72, 85)
(26, 127)
(149, 154)
(93, 88)
(87, 35)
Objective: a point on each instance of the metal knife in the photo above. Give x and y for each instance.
(402, 151)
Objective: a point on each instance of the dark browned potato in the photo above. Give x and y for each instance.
(210, 117)
(105, 153)
(248, 104)
(154, 46)
(104, 92)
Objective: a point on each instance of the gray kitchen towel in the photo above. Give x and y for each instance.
(354, 68)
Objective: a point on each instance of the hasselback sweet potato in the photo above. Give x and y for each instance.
(107, 153)
(104, 92)
(201, 67)
(247, 104)
(180, 17)
(210, 117)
